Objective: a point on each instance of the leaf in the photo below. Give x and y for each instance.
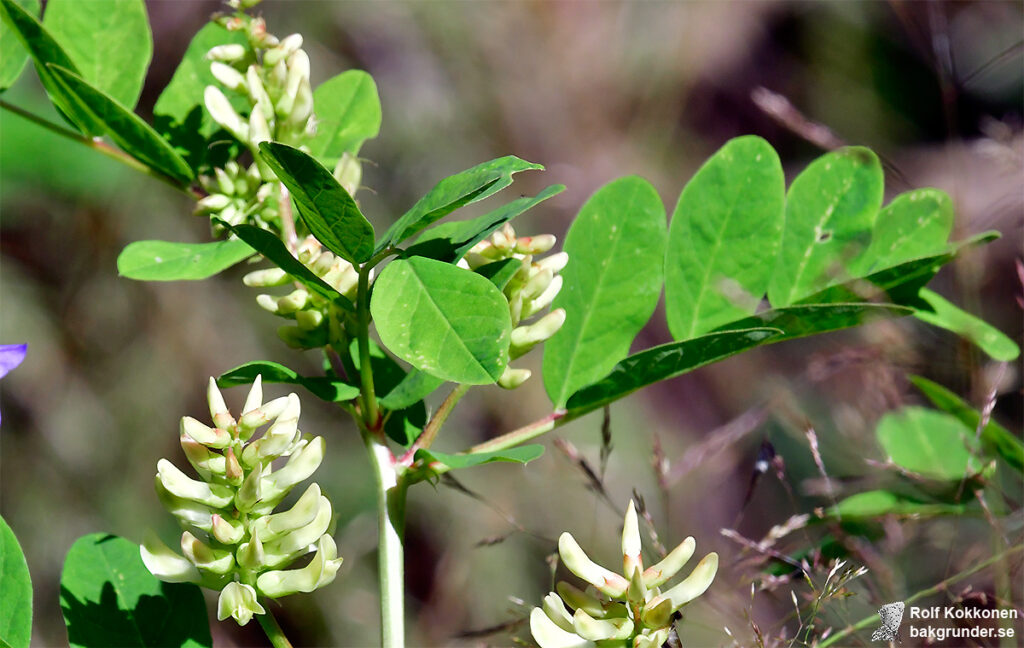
(348, 113)
(275, 251)
(44, 50)
(13, 54)
(414, 387)
(15, 591)
(877, 503)
(450, 242)
(521, 454)
(171, 261)
(724, 238)
(455, 191)
(610, 287)
(500, 272)
(332, 391)
(915, 224)
(179, 113)
(830, 212)
(407, 414)
(124, 127)
(929, 443)
(988, 338)
(109, 598)
(324, 205)
(664, 362)
(441, 319)
(810, 319)
(994, 436)
(109, 42)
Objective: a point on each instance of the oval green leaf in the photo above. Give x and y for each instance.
(522, 454)
(125, 128)
(172, 261)
(15, 591)
(332, 391)
(664, 362)
(455, 191)
(915, 224)
(109, 598)
(946, 315)
(611, 286)
(109, 42)
(830, 212)
(724, 238)
(441, 319)
(877, 503)
(930, 443)
(348, 113)
(13, 54)
(811, 319)
(324, 205)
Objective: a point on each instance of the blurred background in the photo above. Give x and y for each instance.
(592, 90)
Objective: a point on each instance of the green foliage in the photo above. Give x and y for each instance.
(127, 129)
(810, 319)
(109, 598)
(611, 285)
(455, 191)
(522, 454)
(995, 438)
(172, 261)
(933, 444)
(15, 592)
(831, 209)
(330, 390)
(348, 113)
(403, 392)
(877, 503)
(989, 339)
(109, 42)
(664, 362)
(324, 205)
(441, 319)
(915, 224)
(13, 54)
(724, 238)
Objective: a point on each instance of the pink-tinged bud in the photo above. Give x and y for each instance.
(576, 560)
(227, 531)
(211, 437)
(232, 469)
(535, 244)
(218, 410)
(255, 396)
(631, 544)
(264, 414)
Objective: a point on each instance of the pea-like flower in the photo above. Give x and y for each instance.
(233, 541)
(626, 610)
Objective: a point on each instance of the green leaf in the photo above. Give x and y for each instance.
(15, 591)
(275, 251)
(611, 286)
(348, 113)
(877, 503)
(44, 50)
(414, 387)
(109, 42)
(929, 443)
(441, 319)
(500, 272)
(324, 205)
(724, 238)
(811, 319)
(455, 191)
(109, 598)
(664, 362)
(332, 391)
(830, 212)
(451, 241)
(988, 338)
(522, 454)
(407, 414)
(171, 261)
(996, 438)
(914, 225)
(179, 113)
(124, 127)
(13, 54)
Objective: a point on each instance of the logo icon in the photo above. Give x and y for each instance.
(891, 615)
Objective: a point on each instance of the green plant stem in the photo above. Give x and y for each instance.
(99, 146)
(391, 491)
(429, 433)
(521, 435)
(272, 628)
(369, 398)
(867, 621)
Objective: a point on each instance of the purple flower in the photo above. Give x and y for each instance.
(11, 356)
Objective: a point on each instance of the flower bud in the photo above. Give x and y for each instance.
(547, 633)
(288, 46)
(555, 609)
(555, 262)
(216, 561)
(694, 585)
(166, 565)
(631, 544)
(250, 555)
(308, 320)
(300, 466)
(670, 565)
(238, 601)
(250, 492)
(258, 94)
(601, 630)
(206, 462)
(296, 300)
(211, 437)
(525, 338)
(226, 531)
(512, 378)
(535, 244)
(179, 485)
(305, 510)
(228, 53)
(302, 107)
(255, 396)
(233, 472)
(229, 77)
(300, 538)
(254, 418)
(320, 571)
(266, 278)
(218, 410)
(224, 114)
(211, 204)
(189, 514)
(579, 600)
(576, 561)
(544, 300)
(349, 172)
(259, 130)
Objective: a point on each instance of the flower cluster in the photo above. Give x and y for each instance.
(627, 611)
(232, 540)
(531, 290)
(311, 312)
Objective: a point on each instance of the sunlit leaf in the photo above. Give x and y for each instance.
(928, 442)
(172, 261)
(347, 110)
(15, 591)
(878, 503)
(915, 224)
(334, 391)
(947, 316)
(13, 54)
(521, 454)
(811, 319)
